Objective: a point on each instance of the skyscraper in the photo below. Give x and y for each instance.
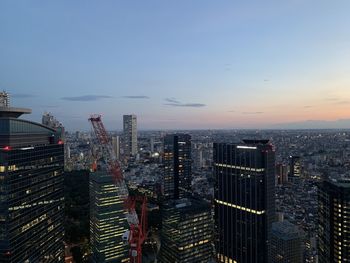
(295, 166)
(31, 190)
(244, 200)
(186, 231)
(116, 145)
(334, 221)
(177, 166)
(107, 220)
(130, 134)
(286, 243)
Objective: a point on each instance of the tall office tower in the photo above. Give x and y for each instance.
(186, 231)
(31, 190)
(334, 221)
(281, 174)
(116, 145)
(177, 166)
(244, 200)
(130, 134)
(286, 243)
(295, 166)
(107, 220)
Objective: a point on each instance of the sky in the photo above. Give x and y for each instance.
(184, 64)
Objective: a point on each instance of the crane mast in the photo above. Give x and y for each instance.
(136, 234)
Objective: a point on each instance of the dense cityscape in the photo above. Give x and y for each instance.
(198, 195)
(174, 131)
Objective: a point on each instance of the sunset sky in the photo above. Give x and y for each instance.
(178, 64)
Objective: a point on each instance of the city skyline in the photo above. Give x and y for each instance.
(180, 65)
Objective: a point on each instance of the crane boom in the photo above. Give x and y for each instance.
(137, 230)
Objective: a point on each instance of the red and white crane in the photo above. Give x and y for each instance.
(137, 232)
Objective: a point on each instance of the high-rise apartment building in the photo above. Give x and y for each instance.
(177, 166)
(31, 190)
(286, 243)
(244, 200)
(107, 220)
(130, 134)
(334, 221)
(186, 231)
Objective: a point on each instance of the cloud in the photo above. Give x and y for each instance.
(308, 107)
(49, 106)
(87, 98)
(176, 103)
(193, 105)
(252, 112)
(136, 97)
(172, 100)
(231, 111)
(21, 95)
(343, 102)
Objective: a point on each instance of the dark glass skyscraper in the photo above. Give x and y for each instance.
(187, 231)
(177, 161)
(334, 221)
(244, 200)
(31, 190)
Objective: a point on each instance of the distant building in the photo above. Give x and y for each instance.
(4, 99)
(334, 221)
(286, 243)
(31, 189)
(186, 231)
(107, 220)
(244, 200)
(281, 174)
(116, 146)
(49, 120)
(177, 166)
(130, 135)
(295, 166)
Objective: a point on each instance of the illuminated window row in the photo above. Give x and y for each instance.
(240, 207)
(240, 167)
(225, 259)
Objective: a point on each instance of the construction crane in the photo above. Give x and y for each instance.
(137, 232)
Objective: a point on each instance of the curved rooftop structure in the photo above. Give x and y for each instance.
(11, 112)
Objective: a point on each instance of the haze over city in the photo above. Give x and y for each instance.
(181, 64)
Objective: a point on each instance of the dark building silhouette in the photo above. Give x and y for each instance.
(286, 243)
(31, 190)
(244, 200)
(177, 166)
(334, 221)
(186, 232)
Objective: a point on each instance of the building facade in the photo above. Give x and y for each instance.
(244, 200)
(186, 232)
(286, 243)
(31, 190)
(107, 220)
(334, 223)
(130, 134)
(177, 166)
